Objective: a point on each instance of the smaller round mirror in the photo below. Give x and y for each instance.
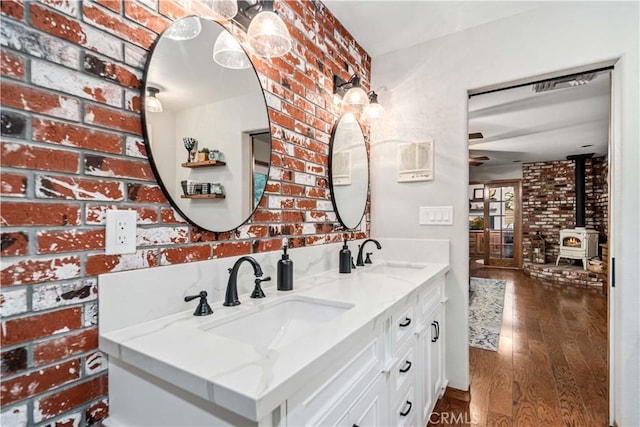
(348, 171)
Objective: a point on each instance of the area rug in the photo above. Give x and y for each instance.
(486, 301)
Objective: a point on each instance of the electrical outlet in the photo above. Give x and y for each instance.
(120, 236)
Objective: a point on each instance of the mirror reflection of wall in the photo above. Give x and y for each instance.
(349, 171)
(221, 108)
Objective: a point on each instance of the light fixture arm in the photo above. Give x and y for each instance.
(341, 87)
(247, 11)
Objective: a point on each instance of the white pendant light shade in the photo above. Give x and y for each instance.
(184, 29)
(228, 52)
(268, 35)
(220, 9)
(373, 112)
(356, 98)
(152, 103)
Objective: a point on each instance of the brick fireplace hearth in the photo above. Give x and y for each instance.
(548, 206)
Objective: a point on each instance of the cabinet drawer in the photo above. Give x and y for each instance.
(429, 298)
(404, 411)
(404, 323)
(404, 370)
(329, 399)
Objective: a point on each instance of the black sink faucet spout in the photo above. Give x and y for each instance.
(231, 296)
(360, 261)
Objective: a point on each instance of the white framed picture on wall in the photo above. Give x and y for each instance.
(415, 161)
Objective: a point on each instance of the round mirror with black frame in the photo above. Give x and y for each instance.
(348, 171)
(206, 127)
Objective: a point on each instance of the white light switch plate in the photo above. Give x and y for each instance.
(436, 215)
(120, 233)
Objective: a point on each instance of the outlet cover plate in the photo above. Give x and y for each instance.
(120, 232)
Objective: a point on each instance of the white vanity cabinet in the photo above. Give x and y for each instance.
(367, 352)
(393, 379)
(431, 352)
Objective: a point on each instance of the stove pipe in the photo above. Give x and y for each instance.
(580, 187)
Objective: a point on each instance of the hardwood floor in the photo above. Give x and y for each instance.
(551, 365)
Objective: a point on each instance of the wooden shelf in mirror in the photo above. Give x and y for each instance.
(202, 196)
(203, 164)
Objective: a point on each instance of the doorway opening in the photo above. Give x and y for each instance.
(531, 135)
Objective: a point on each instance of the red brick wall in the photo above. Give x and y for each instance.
(548, 201)
(72, 148)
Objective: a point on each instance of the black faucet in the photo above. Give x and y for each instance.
(231, 296)
(360, 261)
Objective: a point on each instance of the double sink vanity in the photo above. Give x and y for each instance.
(359, 348)
(364, 348)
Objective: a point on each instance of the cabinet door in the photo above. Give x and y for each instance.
(426, 396)
(371, 407)
(436, 360)
(431, 342)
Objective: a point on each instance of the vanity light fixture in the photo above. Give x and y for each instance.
(374, 111)
(267, 34)
(225, 9)
(152, 103)
(352, 93)
(228, 52)
(184, 29)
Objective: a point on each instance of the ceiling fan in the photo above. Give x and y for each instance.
(478, 160)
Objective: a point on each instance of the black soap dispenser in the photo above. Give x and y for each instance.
(285, 272)
(345, 258)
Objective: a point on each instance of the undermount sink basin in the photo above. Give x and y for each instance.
(275, 325)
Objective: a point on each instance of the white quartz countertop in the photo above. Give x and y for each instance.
(250, 380)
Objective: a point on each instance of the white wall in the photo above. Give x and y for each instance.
(219, 126)
(495, 173)
(426, 95)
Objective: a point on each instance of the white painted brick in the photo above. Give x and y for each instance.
(276, 202)
(38, 44)
(95, 363)
(75, 83)
(135, 56)
(14, 417)
(132, 147)
(305, 179)
(273, 101)
(324, 205)
(308, 228)
(60, 294)
(13, 301)
(90, 314)
(162, 236)
(130, 100)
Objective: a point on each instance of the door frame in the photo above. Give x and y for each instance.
(517, 228)
(614, 168)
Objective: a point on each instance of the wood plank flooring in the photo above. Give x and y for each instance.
(551, 365)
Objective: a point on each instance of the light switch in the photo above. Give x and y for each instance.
(436, 215)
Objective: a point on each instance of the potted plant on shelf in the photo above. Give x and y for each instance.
(203, 154)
